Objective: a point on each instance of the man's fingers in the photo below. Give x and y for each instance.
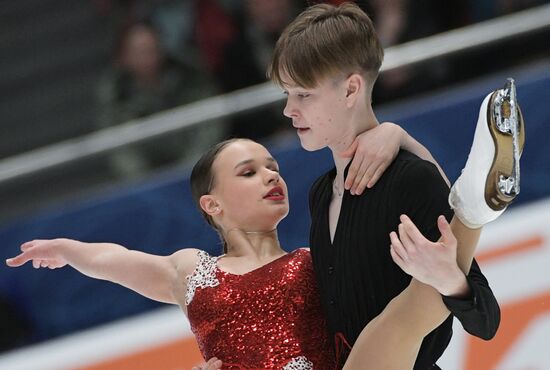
(411, 230)
(445, 230)
(397, 246)
(216, 365)
(212, 364)
(397, 259)
(406, 241)
(211, 361)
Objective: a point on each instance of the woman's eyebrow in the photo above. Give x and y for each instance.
(247, 161)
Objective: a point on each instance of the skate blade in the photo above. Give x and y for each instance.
(506, 125)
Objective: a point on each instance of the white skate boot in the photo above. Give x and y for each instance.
(491, 179)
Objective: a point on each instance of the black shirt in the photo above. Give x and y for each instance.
(356, 274)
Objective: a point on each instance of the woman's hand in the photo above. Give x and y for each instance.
(42, 253)
(372, 151)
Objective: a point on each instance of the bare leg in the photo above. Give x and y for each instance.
(392, 340)
(467, 242)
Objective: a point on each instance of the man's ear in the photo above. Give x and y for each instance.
(210, 205)
(354, 86)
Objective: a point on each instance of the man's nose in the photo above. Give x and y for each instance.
(289, 111)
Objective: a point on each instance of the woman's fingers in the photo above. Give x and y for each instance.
(26, 246)
(377, 174)
(18, 260)
(365, 174)
(353, 171)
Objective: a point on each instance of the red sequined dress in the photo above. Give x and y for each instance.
(268, 318)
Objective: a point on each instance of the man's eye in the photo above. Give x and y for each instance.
(303, 95)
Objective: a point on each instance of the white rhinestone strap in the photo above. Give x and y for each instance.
(203, 276)
(299, 363)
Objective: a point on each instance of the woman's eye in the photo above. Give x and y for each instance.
(248, 173)
(303, 95)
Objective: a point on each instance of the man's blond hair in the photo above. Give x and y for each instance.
(327, 40)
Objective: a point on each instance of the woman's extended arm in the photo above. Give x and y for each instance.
(409, 143)
(374, 150)
(152, 276)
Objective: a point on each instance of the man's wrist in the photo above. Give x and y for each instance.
(455, 285)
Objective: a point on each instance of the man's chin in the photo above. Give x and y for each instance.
(310, 147)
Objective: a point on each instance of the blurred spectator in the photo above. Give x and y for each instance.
(399, 21)
(236, 41)
(144, 81)
(482, 10)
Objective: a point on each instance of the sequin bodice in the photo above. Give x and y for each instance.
(269, 318)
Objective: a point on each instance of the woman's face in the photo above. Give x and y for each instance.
(248, 190)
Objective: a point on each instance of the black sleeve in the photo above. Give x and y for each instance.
(425, 192)
(479, 313)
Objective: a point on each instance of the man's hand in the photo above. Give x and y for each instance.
(428, 262)
(212, 364)
(372, 151)
(42, 253)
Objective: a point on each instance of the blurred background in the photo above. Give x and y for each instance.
(106, 104)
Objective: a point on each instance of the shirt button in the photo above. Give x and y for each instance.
(330, 270)
(332, 302)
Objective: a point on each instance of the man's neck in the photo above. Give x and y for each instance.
(361, 122)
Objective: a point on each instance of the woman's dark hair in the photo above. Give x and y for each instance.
(202, 181)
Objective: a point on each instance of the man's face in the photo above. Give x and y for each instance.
(319, 114)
